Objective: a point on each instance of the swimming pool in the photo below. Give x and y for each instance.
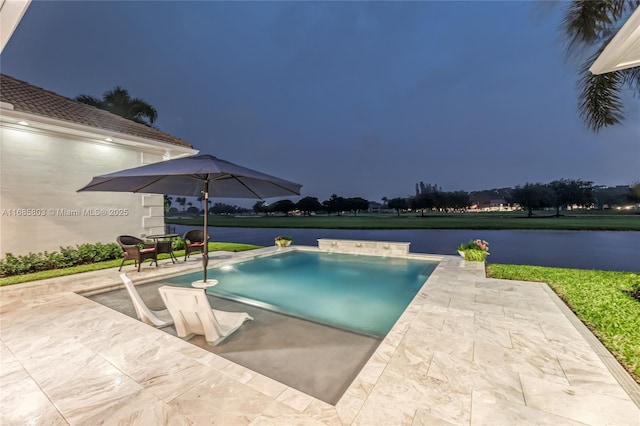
(364, 294)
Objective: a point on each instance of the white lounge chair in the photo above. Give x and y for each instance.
(155, 318)
(192, 314)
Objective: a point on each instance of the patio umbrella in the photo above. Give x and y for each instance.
(195, 176)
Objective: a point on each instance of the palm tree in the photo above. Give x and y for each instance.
(118, 101)
(589, 24)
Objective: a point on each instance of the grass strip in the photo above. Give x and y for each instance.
(52, 273)
(600, 299)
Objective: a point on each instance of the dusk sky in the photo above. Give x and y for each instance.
(354, 98)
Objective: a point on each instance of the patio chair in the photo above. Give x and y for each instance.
(155, 318)
(192, 314)
(193, 242)
(132, 251)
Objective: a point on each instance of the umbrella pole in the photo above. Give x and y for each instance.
(205, 253)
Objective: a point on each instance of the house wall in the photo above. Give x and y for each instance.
(40, 210)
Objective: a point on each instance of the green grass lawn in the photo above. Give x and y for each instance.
(599, 298)
(52, 273)
(498, 220)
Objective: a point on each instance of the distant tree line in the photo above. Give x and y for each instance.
(308, 205)
(559, 194)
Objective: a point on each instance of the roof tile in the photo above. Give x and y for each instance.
(34, 100)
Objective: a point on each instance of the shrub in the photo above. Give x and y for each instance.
(177, 244)
(65, 258)
(475, 250)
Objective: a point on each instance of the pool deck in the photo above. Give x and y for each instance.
(467, 351)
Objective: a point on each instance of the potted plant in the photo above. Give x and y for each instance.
(283, 240)
(474, 250)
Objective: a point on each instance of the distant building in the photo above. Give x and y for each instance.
(375, 207)
(51, 146)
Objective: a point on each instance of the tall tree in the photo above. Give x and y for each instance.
(356, 204)
(308, 204)
(398, 204)
(118, 101)
(532, 196)
(591, 25)
(283, 206)
(571, 191)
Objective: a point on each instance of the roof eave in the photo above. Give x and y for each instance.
(623, 51)
(11, 117)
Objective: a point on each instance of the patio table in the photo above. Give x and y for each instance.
(164, 244)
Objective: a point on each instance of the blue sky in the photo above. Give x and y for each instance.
(354, 98)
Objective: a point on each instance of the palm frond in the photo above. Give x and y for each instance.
(599, 99)
(89, 100)
(632, 79)
(587, 21)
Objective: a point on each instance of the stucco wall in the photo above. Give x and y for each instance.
(40, 209)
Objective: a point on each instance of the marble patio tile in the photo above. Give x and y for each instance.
(281, 415)
(465, 376)
(512, 325)
(348, 408)
(499, 300)
(408, 395)
(129, 352)
(384, 412)
(573, 349)
(458, 346)
(295, 399)
(423, 417)
(372, 370)
(519, 362)
(172, 377)
(591, 377)
(531, 315)
(48, 357)
(563, 331)
(438, 298)
(267, 385)
(22, 401)
(410, 360)
(544, 306)
(426, 321)
(238, 372)
(359, 388)
(489, 411)
(141, 409)
(221, 400)
(445, 310)
(475, 307)
(504, 285)
(478, 333)
(86, 395)
(323, 412)
(5, 354)
(214, 361)
(579, 405)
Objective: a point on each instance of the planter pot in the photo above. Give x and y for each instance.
(461, 253)
(283, 243)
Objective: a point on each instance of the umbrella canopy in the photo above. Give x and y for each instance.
(200, 175)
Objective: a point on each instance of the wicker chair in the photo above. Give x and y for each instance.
(193, 242)
(131, 250)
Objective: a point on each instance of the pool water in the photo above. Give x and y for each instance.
(364, 294)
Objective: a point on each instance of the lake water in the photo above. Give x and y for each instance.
(606, 250)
